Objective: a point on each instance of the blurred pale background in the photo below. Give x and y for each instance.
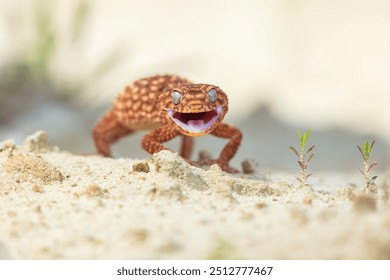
(285, 65)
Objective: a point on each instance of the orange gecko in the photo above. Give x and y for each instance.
(169, 106)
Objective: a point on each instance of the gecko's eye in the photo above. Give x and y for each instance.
(176, 97)
(212, 95)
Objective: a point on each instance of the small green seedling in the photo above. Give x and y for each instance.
(303, 162)
(366, 151)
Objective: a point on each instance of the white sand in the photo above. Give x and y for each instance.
(55, 205)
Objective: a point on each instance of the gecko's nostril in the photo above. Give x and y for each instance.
(196, 107)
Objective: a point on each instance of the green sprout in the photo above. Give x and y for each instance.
(304, 157)
(366, 151)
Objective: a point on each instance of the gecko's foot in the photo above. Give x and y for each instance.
(193, 163)
(224, 166)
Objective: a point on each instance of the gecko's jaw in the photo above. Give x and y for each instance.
(195, 123)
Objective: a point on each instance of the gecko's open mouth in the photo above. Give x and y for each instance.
(195, 122)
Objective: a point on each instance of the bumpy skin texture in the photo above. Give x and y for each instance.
(169, 106)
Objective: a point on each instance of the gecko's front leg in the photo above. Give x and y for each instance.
(234, 134)
(151, 142)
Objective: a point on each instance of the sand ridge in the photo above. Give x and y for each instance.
(56, 205)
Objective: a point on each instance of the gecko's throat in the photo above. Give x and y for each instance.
(195, 122)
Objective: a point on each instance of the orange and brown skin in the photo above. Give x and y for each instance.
(145, 104)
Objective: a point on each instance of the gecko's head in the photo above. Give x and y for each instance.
(194, 109)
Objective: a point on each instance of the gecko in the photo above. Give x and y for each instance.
(169, 106)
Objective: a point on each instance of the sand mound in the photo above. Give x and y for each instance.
(55, 205)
